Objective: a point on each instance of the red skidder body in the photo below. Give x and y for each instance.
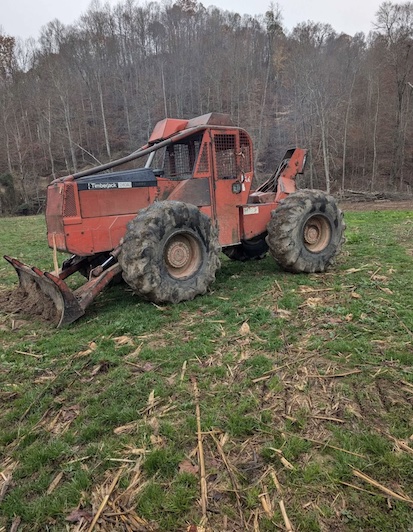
(163, 223)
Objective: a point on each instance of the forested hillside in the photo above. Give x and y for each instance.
(93, 91)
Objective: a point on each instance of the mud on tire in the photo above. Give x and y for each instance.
(170, 252)
(306, 232)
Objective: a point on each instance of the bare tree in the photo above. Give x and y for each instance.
(394, 24)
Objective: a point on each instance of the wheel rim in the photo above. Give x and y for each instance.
(182, 255)
(317, 233)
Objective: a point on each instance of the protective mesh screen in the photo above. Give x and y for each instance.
(245, 152)
(180, 159)
(69, 207)
(225, 149)
(203, 163)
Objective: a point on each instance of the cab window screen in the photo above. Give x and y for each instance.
(225, 149)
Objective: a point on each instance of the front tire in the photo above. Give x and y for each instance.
(306, 232)
(170, 252)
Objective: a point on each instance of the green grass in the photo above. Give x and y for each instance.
(321, 385)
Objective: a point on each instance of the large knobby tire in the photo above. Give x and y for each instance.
(170, 252)
(254, 249)
(306, 232)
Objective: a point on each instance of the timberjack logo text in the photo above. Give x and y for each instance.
(92, 186)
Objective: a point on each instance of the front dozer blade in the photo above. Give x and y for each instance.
(46, 294)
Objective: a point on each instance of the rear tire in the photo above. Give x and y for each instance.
(306, 232)
(170, 252)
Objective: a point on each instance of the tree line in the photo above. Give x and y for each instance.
(91, 92)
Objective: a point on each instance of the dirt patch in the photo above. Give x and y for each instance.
(33, 303)
(378, 205)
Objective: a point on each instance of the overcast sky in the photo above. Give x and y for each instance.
(24, 18)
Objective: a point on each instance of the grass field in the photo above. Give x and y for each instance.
(302, 387)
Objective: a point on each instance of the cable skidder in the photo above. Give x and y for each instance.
(163, 224)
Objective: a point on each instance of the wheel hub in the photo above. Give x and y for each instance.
(312, 234)
(178, 254)
(182, 255)
(317, 234)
